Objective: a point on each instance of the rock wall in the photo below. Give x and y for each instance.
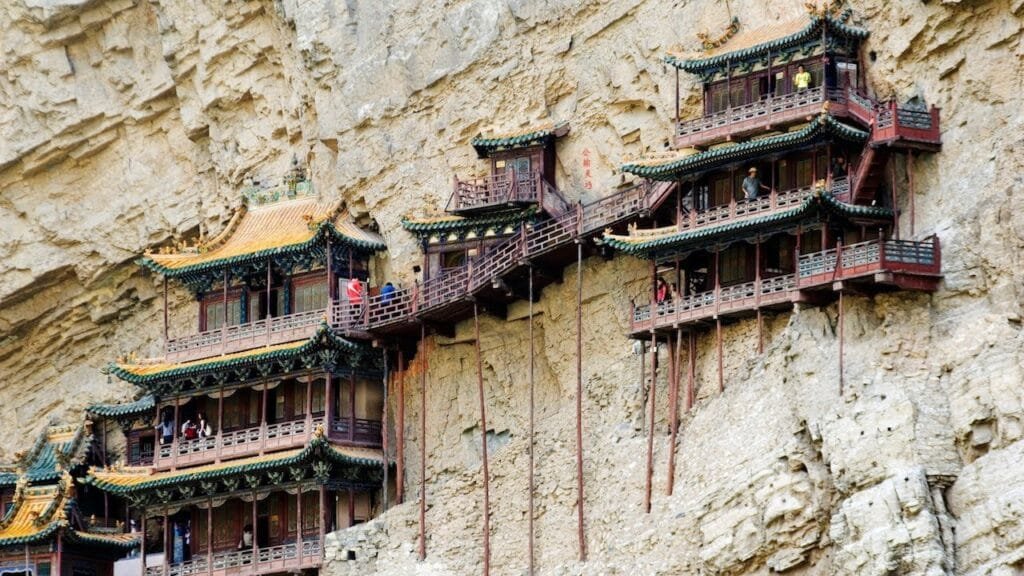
(131, 124)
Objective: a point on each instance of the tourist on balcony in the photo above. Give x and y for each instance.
(246, 542)
(165, 429)
(752, 185)
(802, 80)
(838, 167)
(189, 430)
(387, 293)
(203, 427)
(662, 293)
(354, 291)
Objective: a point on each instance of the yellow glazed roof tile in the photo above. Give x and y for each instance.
(158, 367)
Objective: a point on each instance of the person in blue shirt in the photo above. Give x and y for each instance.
(387, 293)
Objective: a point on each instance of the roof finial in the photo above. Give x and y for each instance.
(710, 44)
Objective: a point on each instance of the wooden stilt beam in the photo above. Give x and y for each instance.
(531, 487)
(651, 393)
(718, 343)
(383, 429)
(673, 408)
(691, 375)
(580, 534)
(400, 431)
(423, 443)
(910, 191)
(841, 344)
(483, 441)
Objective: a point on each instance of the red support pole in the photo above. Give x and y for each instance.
(910, 183)
(423, 444)
(531, 484)
(167, 532)
(60, 554)
(166, 322)
(841, 338)
(581, 537)
(895, 205)
(400, 431)
(673, 408)
(718, 338)
(483, 442)
(652, 390)
(209, 536)
(757, 295)
(691, 376)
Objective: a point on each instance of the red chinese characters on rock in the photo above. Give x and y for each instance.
(588, 182)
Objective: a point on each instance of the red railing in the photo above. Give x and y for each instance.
(814, 270)
(255, 440)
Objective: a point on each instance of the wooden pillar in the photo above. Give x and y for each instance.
(255, 531)
(329, 404)
(718, 319)
(691, 375)
(351, 507)
(651, 392)
(581, 537)
(352, 406)
(220, 421)
(757, 295)
(841, 337)
(330, 273)
(60, 553)
(224, 321)
(298, 517)
(483, 442)
(531, 488)
(384, 430)
(167, 552)
(424, 350)
(209, 536)
(166, 320)
(910, 191)
(142, 542)
(673, 407)
(323, 517)
(400, 431)
(263, 417)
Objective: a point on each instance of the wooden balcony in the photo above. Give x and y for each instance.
(504, 189)
(234, 444)
(875, 264)
(239, 337)
(293, 558)
(889, 123)
(740, 121)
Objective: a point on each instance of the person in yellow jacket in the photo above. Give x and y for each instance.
(802, 80)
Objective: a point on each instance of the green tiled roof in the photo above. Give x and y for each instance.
(485, 145)
(457, 224)
(823, 201)
(810, 32)
(145, 374)
(318, 449)
(40, 462)
(823, 125)
(145, 404)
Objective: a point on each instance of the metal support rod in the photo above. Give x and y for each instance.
(841, 338)
(483, 441)
(651, 391)
(910, 192)
(581, 538)
(691, 375)
(400, 432)
(673, 408)
(532, 433)
(166, 321)
(423, 443)
(384, 432)
(718, 338)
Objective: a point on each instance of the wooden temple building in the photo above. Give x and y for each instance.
(783, 191)
(50, 526)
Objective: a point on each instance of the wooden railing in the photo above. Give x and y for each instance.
(230, 339)
(767, 111)
(253, 440)
(813, 270)
(284, 558)
(739, 209)
(356, 430)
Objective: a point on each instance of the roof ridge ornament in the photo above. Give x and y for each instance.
(293, 184)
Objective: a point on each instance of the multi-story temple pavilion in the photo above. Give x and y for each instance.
(261, 431)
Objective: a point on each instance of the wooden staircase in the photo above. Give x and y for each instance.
(869, 175)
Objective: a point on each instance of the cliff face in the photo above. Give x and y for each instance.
(128, 125)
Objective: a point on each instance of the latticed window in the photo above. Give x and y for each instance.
(733, 265)
(215, 313)
(310, 296)
(319, 402)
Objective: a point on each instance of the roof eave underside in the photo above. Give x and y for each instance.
(822, 126)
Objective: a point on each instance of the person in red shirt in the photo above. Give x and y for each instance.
(354, 290)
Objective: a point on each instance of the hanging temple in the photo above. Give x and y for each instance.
(261, 431)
